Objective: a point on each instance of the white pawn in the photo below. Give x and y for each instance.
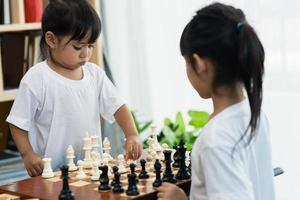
(47, 171)
(154, 133)
(80, 174)
(122, 168)
(96, 172)
(70, 156)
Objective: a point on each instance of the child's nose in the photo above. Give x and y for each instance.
(84, 53)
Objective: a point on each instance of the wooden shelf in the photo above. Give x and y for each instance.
(20, 27)
(8, 95)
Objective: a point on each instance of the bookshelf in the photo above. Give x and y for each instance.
(9, 93)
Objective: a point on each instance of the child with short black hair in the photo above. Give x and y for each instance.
(62, 98)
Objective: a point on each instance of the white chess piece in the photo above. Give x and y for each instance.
(106, 147)
(121, 160)
(80, 174)
(70, 156)
(96, 172)
(87, 147)
(95, 143)
(47, 171)
(154, 133)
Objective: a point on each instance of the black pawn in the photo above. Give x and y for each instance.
(117, 187)
(176, 157)
(132, 188)
(115, 169)
(132, 169)
(157, 167)
(104, 181)
(66, 193)
(144, 174)
(183, 172)
(168, 175)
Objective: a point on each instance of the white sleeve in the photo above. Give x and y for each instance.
(24, 108)
(109, 100)
(225, 176)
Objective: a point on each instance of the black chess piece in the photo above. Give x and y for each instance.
(132, 169)
(190, 164)
(144, 174)
(132, 188)
(157, 167)
(117, 187)
(176, 157)
(104, 180)
(168, 175)
(183, 172)
(115, 169)
(66, 193)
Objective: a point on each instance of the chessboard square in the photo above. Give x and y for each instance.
(79, 183)
(8, 196)
(54, 179)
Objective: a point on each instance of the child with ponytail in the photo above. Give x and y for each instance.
(231, 159)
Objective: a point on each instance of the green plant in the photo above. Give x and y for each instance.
(173, 131)
(141, 127)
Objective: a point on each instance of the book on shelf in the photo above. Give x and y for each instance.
(33, 10)
(6, 11)
(17, 11)
(12, 51)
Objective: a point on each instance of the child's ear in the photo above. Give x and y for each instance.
(51, 39)
(200, 64)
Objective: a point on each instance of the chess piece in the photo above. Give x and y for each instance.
(95, 143)
(104, 180)
(70, 158)
(87, 147)
(183, 172)
(168, 175)
(121, 160)
(132, 188)
(106, 148)
(66, 193)
(157, 167)
(150, 143)
(132, 169)
(80, 174)
(164, 147)
(96, 172)
(105, 162)
(115, 169)
(156, 146)
(144, 174)
(47, 171)
(176, 163)
(117, 187)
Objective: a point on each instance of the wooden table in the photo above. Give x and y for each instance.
(40, 188)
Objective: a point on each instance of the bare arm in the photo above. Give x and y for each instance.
(32, 161)
(133, 144)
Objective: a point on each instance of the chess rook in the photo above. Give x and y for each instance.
(47, 171)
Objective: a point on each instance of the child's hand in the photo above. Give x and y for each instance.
(168, 191)
(33, 163)
(133, 147)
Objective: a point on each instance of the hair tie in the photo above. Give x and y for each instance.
(239, 26)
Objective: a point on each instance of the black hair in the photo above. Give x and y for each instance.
(221, 34)
(74, 18)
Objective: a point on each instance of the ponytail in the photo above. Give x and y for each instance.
(251, 69)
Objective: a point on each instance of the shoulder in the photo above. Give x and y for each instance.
(35, 74)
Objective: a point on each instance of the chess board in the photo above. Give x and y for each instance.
(38, 187)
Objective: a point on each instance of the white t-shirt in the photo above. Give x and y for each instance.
(57, 111)
(218, 173)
